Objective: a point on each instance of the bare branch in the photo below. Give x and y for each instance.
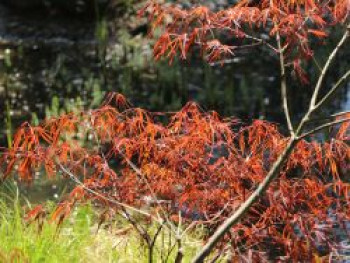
(340, 114)
(284, 86)
(312, 105)
(77, 181)
(154, 196)
(336, 86)
(323, 126)
(326, 66)
(330, 116)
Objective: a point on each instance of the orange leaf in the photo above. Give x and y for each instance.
(317, 33)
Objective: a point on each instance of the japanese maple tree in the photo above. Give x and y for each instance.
(290, 24)
(251, 186)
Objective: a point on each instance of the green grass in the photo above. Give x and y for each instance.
(77, 240)
(27, 244)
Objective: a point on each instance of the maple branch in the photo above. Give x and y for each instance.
(336, 86)
(330, 116)
(312, 105)
(323, 126)
(275, 170)
(257, 39)
(263, 41)
(137, 171)
(326, 66)
(317, 64)
(340, 113)
(78, 182)
(284, 85)
(228, 61)
(240, 212)
(135, 168)
(150, 242)
(273, 173)
(143, 177)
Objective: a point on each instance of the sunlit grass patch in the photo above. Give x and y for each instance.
(77, 239)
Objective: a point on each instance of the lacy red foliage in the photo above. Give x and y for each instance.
(293, 20)
(201, 165)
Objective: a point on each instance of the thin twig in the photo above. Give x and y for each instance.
(332, 116)
(317, 64)
(284, 94)
(326, 67)
(136, 169)
(143, 177)
(323, 126)
(77, 181)
(336, 86)
(312, 105)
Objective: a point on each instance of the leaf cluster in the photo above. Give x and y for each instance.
(196, 165)
(220, 34)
